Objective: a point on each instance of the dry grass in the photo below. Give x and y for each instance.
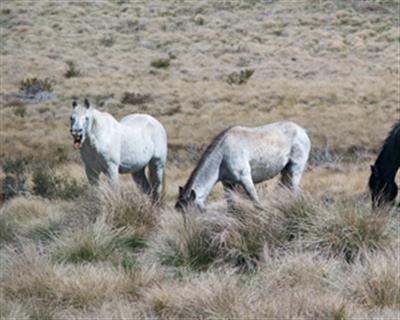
(331, 66)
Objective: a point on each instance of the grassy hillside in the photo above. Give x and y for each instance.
(70, 251)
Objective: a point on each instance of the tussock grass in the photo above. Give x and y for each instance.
(375, 282)
(96, 242)
(349, 228)
(29, 275)
(185, 241)
(126, 206)
(241, 235)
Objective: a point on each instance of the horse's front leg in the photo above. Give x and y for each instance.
(247, 183)
(112, 174)
(229, 188)
(92, 175)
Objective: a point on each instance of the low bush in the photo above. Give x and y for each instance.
(15, 179)
(72, 70)
(160, 63)
(135, 98)
(240, 78)
(33, 86)
(50, 185)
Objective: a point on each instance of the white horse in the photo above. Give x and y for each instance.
(127, 146)
(245, 156)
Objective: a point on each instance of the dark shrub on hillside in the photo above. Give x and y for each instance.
(14, 181)
(49, 185)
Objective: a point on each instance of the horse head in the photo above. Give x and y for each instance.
(81, 122)
(382, 191)
(186, 199)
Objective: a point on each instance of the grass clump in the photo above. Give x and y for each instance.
(95, 242)
(30, 275)
(375, 282)
(240, 78)
(33, 86)
(160, 63)
(72, 70)
(127, 207)
(185, 242)
(348, 228)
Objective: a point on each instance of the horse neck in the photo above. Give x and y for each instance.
(205, 176)
(99, 124)
(388, 160)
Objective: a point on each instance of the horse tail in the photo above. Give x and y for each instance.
(163, 189)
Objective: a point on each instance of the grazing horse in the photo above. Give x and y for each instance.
(383, 172)
(127, 146)
(245, 156)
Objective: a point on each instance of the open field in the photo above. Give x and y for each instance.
(71, 252)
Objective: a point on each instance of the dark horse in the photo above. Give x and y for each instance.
(383, 172)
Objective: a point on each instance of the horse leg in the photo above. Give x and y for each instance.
(247, 183)
(112, 174)
(156, 175)
(291, 175)
(92, 175)
(140, 178)
(229, 188)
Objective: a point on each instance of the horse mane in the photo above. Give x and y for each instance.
(211, 147)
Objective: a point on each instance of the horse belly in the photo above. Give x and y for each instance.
(134, 159)
(261, 171)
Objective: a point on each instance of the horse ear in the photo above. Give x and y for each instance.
(192, 195)
(180, 190)
(74, 104)
(87, 104)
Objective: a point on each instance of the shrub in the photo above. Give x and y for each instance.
(14, 181)
(199, 20)
(33, 86)
(135, 98)
(49, 185)
(240, 78)
(160, 63)
(107, 41)
(72, 71)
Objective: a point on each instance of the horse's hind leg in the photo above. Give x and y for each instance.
(291, 175)
(156, 176)
(141, 180)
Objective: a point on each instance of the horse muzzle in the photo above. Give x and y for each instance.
(77, 140)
